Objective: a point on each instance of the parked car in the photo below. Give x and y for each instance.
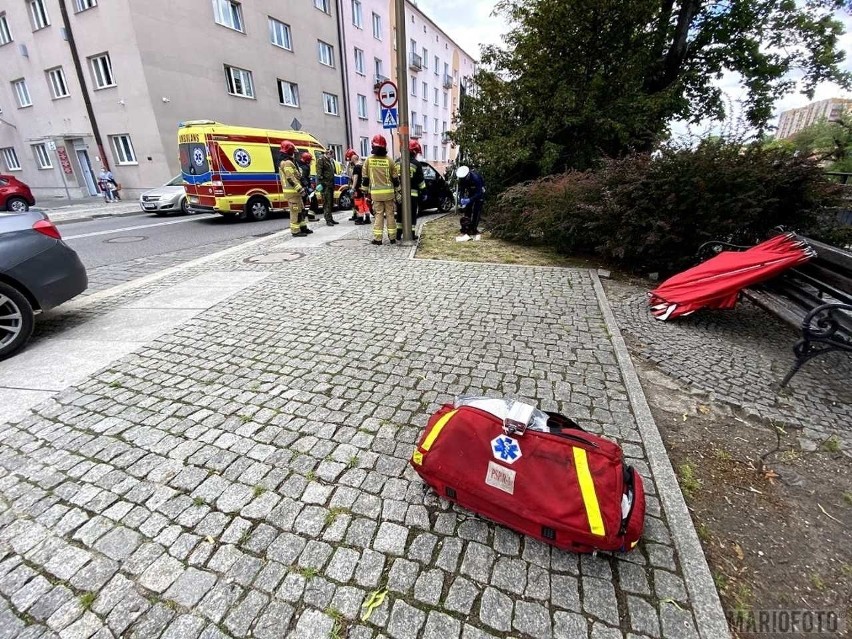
(37, 272)
(14, 194)
(439, 195)
(169, 198)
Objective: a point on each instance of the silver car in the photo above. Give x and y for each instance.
(169, 198)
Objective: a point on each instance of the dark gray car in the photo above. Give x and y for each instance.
(37, 272)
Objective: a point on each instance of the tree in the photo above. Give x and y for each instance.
(580, 79)
(829, 142)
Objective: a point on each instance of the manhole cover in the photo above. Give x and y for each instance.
(274, 258)
(126, 239)
(352, 242)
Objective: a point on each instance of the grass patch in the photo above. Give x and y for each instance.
(831, 445)
(198, 501)
(703, 532)
(817, 581)
(245, 418)
(438, 242)
(311, 476)
(307, 573)
(847, 497)
(340, 629)
(116, 384)
(332, 515)
(87, 599)
(258, 491)
(722, 455)
(689, 483)
(353, 461)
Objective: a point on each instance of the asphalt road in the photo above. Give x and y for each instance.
(110, 241)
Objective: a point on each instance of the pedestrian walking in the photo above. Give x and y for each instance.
(381, 180)
(361, 211)
(418, 189)
(472, 196)
(291, 188)
(325, 185)
(304, 166)
(106, 183)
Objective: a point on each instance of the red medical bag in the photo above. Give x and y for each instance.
(566, 487)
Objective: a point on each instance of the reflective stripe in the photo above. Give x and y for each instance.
(417, 457)
(436, 430)
(587, 488)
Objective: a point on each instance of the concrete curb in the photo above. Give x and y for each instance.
(706, 606)
(96, 216)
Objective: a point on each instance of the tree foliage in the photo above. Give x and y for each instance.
(580, 79)
(829, 142)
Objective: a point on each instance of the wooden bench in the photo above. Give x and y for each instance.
(815, 297)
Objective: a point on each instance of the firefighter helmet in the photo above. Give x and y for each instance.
(306, 157)
(414, 147)
(351, 153)
(287, 147)
(379, 141)
(462, 172)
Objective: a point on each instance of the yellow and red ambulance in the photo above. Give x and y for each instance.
(233, 170)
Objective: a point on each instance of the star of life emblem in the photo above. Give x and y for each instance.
(198, 156)
(506, 449)
(242, 157)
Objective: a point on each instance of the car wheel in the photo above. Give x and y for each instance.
(16, 320)
(446, 203)
(344, 203)
(17, 204)
(184, 206)
(257, 210)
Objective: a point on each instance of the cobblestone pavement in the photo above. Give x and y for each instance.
(247, 474)
(740, 357)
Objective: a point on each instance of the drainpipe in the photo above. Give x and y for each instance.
(78, 67)
(347, 108)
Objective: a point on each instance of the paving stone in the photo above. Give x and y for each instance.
(632, 578)
(118, 588)
(219, 600)
(599, 600)
(152, 623)
(342, 564)
(506, 542)
(119, 543)
(127, 610)
(286, 548)
(313, 624)
(95, 574)
(569, 625)
(184, 627)
(461, 596)
(348, 601)
(676, 623)
(477, 562)
(600, 631)
(402, 576)
(429, 587)
(49, 603)
(86, 626)
(510, 575)
(292, 588)
(29, 594)
(643, 617)
(161, 574)
(190, 587)
(270, 576)
(441, 626)
(315, 555)
(496, 610)
(669, 586)
(64, 564)
(532, 619)
(422, 547)
(470, 632)
(240, 619)
(660, 556)
(405, 621)
(369, 569)
(273, 620)
(391, 538)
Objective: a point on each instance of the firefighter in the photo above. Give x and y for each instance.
(325, 185)
(304, 166)
(291, 188)
(472, 193)
(381, 180)
(418, 189)
(356, 169)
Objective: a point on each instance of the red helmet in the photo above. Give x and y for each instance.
(287, 147)
(379, 141)
(307, 157)
(414, 147)
(350, 154)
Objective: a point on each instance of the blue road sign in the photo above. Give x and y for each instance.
(390, 118)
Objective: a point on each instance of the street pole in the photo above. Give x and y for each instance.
(402, 89)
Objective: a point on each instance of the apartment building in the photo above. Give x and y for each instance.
(794, 120)
(90, 83)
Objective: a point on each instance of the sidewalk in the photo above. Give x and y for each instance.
(64, 211)
(246, 473)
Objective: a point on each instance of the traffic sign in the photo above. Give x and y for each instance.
(390, 118)
(388, 94)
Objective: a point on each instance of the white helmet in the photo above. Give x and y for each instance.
(462, 172)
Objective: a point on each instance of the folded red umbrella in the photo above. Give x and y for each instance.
(717, 282)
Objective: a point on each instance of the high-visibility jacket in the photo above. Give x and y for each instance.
(291, 183)
(380, 174)
(418, 181)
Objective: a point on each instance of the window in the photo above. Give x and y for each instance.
(444, 127)
(122, 149)
(446, 68)
(425, 92)
(443, 154)
(357, 14)
(413, 46)
(22, 93)
(362, 106)
(279, 34)
(436, 96)
(5, 34)
(82, 5)
(42, 157)
(228, 14)
(336, 151)
(380, 70)
(239, 82)
(323, 5)
(326, 53)
(329, 103)
(435, 128)
(58, 86)
(425, 57)
(378, 111)
(425, 152)
(39, 15)
(413, 82)
(360, 67)
(437, 65)
(377, 26)
(364, 143)
(425, 124)
(288, 93)
(434, 152)
(10, 157)
(102, 71)
(445, 99)
(413, 118)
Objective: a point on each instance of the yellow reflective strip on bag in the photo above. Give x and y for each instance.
(587, 488)
(436, 430)
(417, 457)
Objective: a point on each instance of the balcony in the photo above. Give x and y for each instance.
(415, 61)
(417, 131)
(379, 79)
(445, 137)
(448, 81)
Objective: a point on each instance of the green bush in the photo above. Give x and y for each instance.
(652, 215)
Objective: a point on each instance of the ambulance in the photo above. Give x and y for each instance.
(233, 170)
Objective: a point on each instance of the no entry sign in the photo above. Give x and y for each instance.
(388, 94)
